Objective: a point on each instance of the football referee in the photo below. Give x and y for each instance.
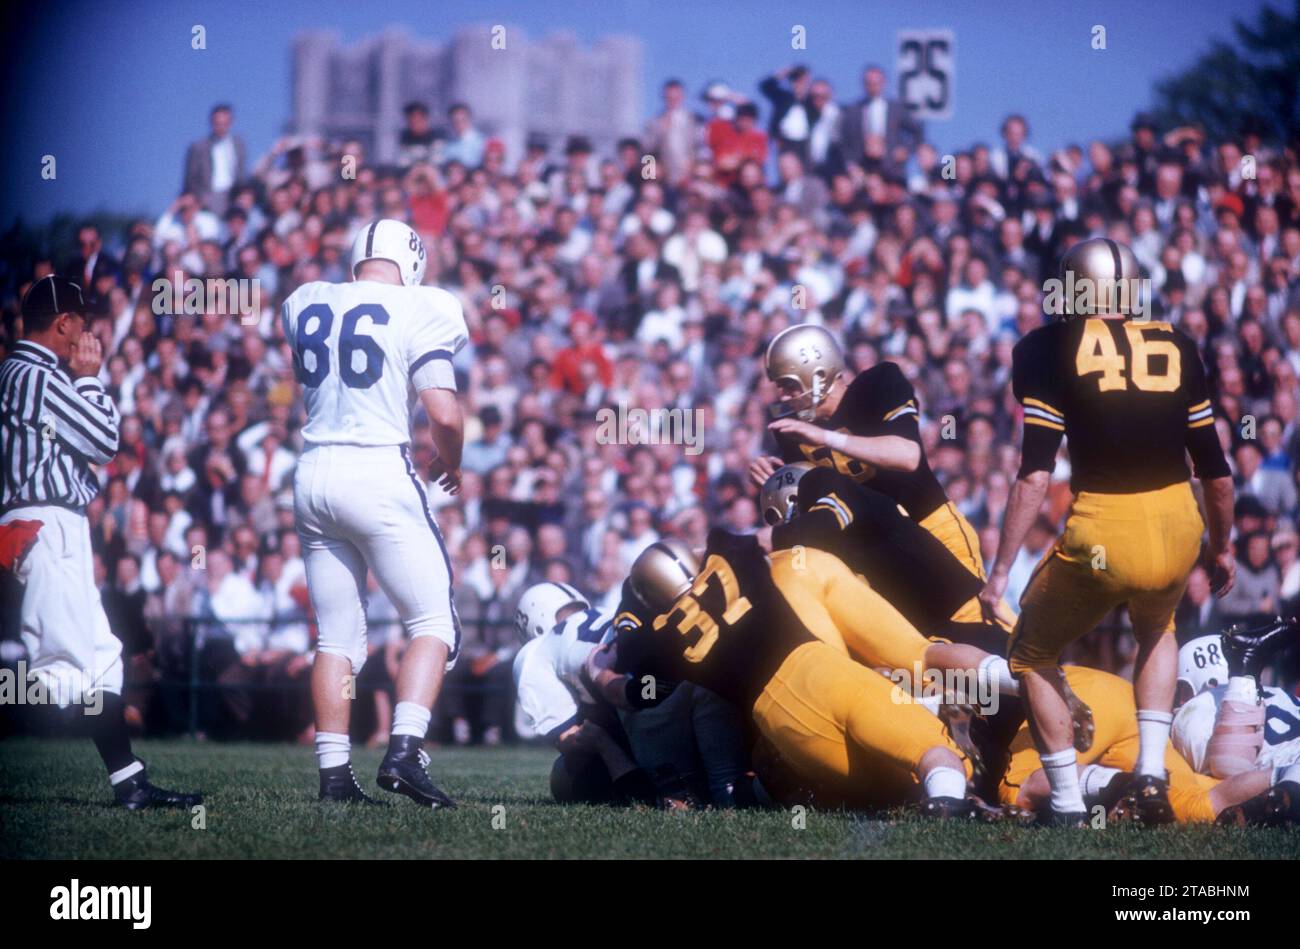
(57, 422)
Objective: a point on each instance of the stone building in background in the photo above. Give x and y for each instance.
(553, 86)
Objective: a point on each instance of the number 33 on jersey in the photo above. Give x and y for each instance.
(360, 351)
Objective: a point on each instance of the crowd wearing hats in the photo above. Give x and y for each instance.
(649, 277)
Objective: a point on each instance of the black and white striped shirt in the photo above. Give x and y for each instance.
(54, 429)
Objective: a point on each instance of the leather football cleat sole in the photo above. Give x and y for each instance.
(1279, 806)
(958, 721)
(1146, 803)
(1085, 727)
(1247, 649)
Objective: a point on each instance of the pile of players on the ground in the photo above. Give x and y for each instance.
(850, 653)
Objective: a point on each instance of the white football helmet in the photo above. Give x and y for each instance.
(536, 614)
(1201, 663)
(388, 239)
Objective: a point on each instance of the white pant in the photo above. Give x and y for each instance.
(70, 647)
(360, 507)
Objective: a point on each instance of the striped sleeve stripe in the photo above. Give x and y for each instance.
(837, 507)
(907, 408)
(1200, 414)
(1039, 416)
(1043, 410)
(1208, 420)
(1033, 420)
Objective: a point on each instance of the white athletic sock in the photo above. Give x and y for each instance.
(332, 749)
(995, 671)
(411, 718)
(945, 782)
(134, 768)
(1287, 772)
(1062, 769)
(1153, 737)
(1094, 778)
(1242, 689)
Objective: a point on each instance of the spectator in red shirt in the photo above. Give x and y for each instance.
(734, 143)
(579, 365)
(430, 207)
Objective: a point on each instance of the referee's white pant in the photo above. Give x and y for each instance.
(364, 507)
(70, 648)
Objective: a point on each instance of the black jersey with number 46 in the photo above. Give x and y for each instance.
(729, 633)
(1130, 397)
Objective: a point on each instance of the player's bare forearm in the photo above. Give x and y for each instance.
(1026, 499)
(890, 452)
(608, 684)
(1218, 511)
(1218, 516)
(447, 425)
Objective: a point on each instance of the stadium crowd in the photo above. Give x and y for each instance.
(651, 277)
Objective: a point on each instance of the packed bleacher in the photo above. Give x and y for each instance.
(651, 278)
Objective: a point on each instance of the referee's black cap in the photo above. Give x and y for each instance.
(51, 296)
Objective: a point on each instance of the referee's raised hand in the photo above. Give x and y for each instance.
(87, 355)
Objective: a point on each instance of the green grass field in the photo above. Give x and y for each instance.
(54, 803)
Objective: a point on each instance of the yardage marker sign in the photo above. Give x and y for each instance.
(927, 70)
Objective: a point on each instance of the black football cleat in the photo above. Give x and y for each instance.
(402, 772)
(1080, 715)
(983, 812)
(1247, 648)
(948, 808)
(339, 784)
(1145, 803)
(137, 794)
(1076, 820)
(1286, 802)
(1279, 806)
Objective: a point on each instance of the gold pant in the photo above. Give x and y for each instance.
(843, 611)
(951, 529)
(839, 724)
(1115, 745)
(1117, 548)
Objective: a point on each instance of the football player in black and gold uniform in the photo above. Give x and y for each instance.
(1131, 397)
(806, 505)
(1106, 769)
(727, 626)
(865, 429)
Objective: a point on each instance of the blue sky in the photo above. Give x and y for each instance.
(113, 90)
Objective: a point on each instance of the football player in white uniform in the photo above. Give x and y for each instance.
(596, 764)
(1232, 726)
(364, 352)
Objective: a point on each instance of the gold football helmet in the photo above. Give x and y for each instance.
(804, 361)
(1112, 271)
(663, 572)
(781, 491)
